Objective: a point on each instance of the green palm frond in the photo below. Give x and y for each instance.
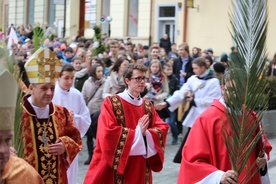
(7, 62)
(37, 38)
(246, 90)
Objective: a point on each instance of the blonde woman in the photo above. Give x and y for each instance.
(157, 86)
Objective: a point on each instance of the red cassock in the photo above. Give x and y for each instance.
(205, 151)
(111, 162)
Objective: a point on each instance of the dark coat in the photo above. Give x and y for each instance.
(177, 66)
(173, 84)
(166, 44)
(80, 81)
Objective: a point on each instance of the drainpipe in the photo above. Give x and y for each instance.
(185, 17)
(150, 27)
(64, 17)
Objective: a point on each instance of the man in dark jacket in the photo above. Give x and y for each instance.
(165, 43)
(182, 66)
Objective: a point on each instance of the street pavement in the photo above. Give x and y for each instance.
(170, 170)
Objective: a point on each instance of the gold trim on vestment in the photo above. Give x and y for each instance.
(160, 136)
(45, 163)
(33, 141)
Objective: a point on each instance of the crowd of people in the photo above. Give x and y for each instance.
(124, 100)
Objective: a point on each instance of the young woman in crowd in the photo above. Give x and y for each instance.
(80, 72)
(115, 83)
(157, 86)
(92, 92)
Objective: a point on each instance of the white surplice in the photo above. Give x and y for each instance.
(73, 100)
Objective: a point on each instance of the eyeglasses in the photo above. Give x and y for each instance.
(140, 79)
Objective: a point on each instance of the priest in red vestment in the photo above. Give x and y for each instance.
(50, 139)
(205, 157)
(131, 137)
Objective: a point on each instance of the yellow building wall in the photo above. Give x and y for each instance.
(144, 11)
(271, 38)
(118, 12)
(208, 27)
(72, 18)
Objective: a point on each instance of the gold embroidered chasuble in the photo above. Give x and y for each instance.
(37, 134)
(18, 170)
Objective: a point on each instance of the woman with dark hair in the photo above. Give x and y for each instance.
(115, 83)
(92, 93)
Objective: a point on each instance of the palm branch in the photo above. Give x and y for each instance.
(37, 38)
(246, 89)
(7, 62)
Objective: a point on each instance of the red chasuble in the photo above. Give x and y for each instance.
(59, 126)
(111, 162)
(205, 151)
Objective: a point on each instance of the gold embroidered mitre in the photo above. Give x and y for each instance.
(43, 66)
(8, 95)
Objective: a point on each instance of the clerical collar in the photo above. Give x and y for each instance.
(41, 112)
(204, 75)
(130, 98)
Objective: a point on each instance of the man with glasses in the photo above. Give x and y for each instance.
(131, 137)
(113, 47)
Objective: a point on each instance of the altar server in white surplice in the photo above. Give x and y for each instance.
(72, 99)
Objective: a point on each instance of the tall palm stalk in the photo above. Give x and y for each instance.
(7, 62)
(245, 91)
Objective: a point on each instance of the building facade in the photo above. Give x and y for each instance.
(206, 24)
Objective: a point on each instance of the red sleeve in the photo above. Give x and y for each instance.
(71, 137)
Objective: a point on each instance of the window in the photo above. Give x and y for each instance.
(52, 13)
(167, 11)
(105, 13)
(133, 17)
(30, 12)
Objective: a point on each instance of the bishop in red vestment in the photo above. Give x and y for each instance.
(49, 137)
(59, 127)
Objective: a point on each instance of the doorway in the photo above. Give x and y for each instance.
(166, 21)
(169, 28)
